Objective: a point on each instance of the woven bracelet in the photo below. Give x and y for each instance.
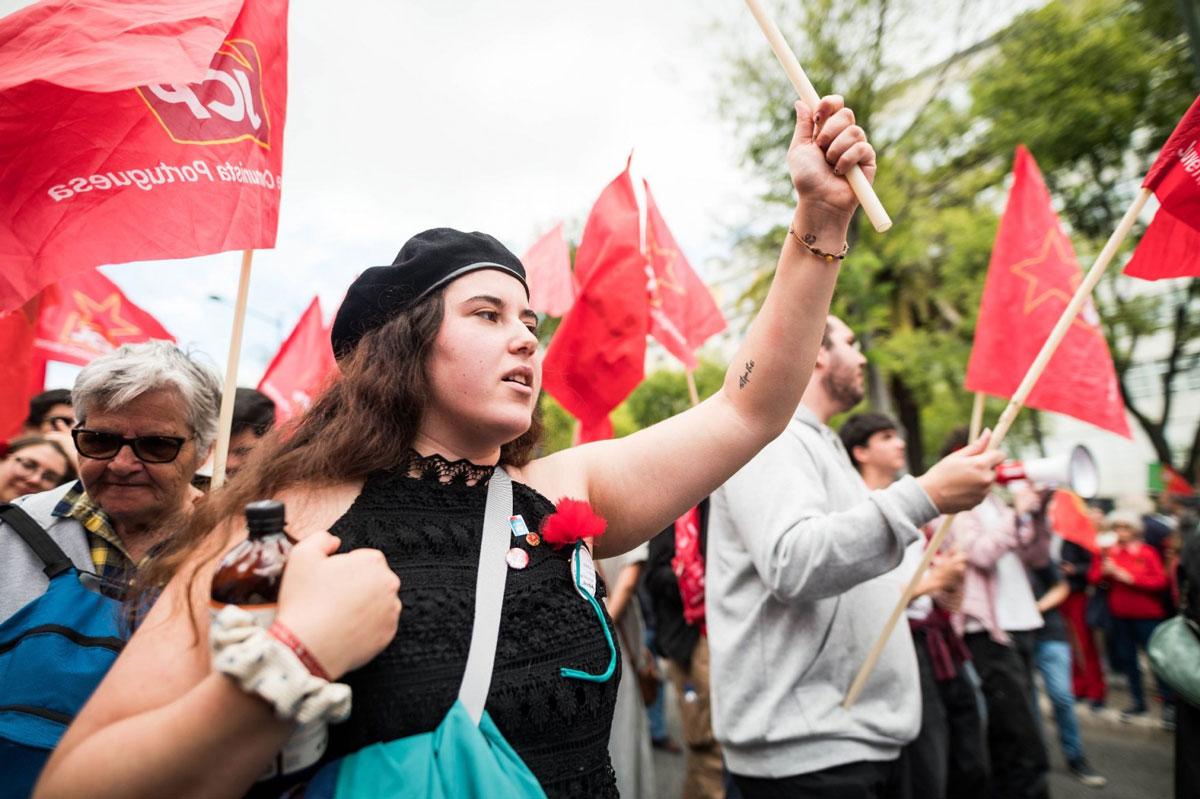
(809, 239)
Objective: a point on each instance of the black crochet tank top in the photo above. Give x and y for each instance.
(427, 518)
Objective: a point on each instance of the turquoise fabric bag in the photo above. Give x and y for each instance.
(458, 759)
(466, 757)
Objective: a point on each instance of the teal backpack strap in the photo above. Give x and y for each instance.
(489, 595)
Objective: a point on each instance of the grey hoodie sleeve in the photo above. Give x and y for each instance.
(802, 551)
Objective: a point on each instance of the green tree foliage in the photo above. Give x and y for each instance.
(661, 395)
(664, 392)
(1092, 87)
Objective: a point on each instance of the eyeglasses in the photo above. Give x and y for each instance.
(36, 472)
(104, 446)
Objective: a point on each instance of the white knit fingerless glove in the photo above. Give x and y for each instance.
(263, 665)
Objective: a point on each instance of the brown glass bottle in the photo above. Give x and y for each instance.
(249, 575)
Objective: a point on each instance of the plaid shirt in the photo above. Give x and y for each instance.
(114, 567)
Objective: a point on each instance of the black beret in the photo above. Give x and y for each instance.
(426, 262)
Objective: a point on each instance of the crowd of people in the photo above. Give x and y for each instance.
(461, 615)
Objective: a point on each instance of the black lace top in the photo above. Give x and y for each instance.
(427, 519)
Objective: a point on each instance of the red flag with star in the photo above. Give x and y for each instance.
(86, 316)
(302, 366)
(1170, 247)
(1031, 278)
(682, 312)
(137, 131)
(598, 354)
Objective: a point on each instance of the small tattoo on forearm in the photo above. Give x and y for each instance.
(745, 377)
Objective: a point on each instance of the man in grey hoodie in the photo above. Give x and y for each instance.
(799, 551)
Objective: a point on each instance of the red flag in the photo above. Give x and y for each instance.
(299, 370)
(682, 312)
(548, 270)
(16, 366)
(1032, 276)
(98, 46)
(1068, 516)
(1175, 483)
(87, 315)
(122, 150)
(598, 354)
(1170, 246)
(688, 566)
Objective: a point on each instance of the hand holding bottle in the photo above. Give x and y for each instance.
(344, 608)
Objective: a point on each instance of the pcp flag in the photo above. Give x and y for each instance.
(86, 316)
(137, 131)
(682, 312)
(548, 270)
(598, 353)
(299, 370)
(1031, 278)
(1170, 247)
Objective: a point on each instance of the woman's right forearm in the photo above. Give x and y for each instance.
(214, 741)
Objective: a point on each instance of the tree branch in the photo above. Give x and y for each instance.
(1154, 430)
(1178, 342)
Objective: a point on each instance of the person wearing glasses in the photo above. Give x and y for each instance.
(147, 416)
(51, 417)
(50, 412)
(33, 464)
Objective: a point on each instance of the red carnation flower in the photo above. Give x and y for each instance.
(572, 520)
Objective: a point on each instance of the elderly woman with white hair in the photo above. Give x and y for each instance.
(1137, 581)
(147, 418)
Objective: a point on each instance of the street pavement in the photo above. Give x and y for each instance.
(1137, 758)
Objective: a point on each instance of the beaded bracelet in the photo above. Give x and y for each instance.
(807, 243)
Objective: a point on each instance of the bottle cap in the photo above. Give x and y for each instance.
(265, 516)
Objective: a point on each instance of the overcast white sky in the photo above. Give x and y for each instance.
(498, 116)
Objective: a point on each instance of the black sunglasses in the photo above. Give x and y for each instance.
(103, 446)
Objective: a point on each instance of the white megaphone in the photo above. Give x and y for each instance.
(1076, 470)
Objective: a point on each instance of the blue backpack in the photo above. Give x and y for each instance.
(53, 653)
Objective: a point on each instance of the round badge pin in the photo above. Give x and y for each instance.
(533, 539)
(517, 558)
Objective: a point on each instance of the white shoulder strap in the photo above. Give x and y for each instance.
(489, 595)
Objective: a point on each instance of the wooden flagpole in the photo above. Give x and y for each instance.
(977, 416)
(867, 198)
(225, 424)
(693, 394)
(1007, 418)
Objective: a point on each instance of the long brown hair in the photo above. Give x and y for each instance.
(364, 421)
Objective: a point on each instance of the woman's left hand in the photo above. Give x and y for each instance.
(825, 146)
